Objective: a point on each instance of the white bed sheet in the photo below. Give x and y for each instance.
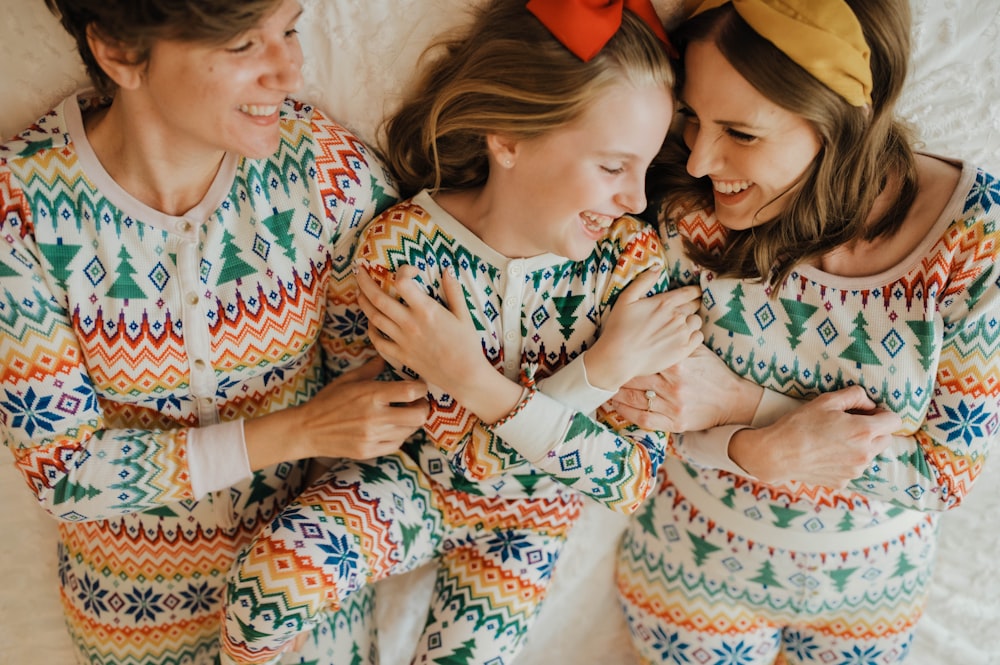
(360, 54)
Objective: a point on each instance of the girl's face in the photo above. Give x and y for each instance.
(573, 182)
(749, 147)
(224, 98)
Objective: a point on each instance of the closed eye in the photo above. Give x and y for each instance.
(740, 137)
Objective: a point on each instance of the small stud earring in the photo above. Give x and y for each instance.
(508, 163)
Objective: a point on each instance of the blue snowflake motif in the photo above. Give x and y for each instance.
(92, 595)
(546, 568)
(965, 424)
(199, 598)
(341, 556)
(985, 193)
(143, 604)
(734, 654)
(856, 656)
(30, 412)
(509, 545)
(670, 646)
(802, 646)
(351, 325)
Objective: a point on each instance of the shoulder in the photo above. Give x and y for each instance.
(339, 160)
(46, 133)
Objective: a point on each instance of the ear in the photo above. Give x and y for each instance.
(119, 62)
(503, 149)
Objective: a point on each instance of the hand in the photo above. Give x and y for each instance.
(828, 441)
(644, 334)
(696, 393)
(354, 416)
(438, 342)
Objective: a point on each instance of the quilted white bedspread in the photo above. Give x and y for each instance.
(359, 54)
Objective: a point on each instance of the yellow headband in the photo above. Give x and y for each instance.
(823, 37)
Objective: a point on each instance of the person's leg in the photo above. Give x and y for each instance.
(347, 635)
(684, 598)
(864, 605)
(362, 522)
(492, 576)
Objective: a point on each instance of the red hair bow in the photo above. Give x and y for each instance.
(585, 26)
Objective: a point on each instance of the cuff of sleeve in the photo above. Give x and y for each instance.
(772, 406)
(536, 426)
(217, 457)
(571, 387)
(710, 448)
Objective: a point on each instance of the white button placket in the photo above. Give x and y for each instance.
(512, 296)
(197, 340)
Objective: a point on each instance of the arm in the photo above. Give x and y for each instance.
(613, 460)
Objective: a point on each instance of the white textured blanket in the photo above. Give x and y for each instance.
(359, 54)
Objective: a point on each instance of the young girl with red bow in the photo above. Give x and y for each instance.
(523, 151)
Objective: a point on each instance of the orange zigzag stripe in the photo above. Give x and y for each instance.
(540, 515)
(154, 554)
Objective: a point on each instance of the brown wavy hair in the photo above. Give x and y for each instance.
(505, 74)
(136, 24)
(861, 148)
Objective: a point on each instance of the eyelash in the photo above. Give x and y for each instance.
(289, 34)
(736, 135)
(613, 171)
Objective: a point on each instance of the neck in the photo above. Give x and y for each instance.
(159, 173)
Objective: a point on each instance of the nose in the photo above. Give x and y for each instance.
(704, 152)
(284, 66)
(632, 197)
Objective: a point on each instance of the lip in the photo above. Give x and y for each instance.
(261, 114)
(595, 229)
(722, 198)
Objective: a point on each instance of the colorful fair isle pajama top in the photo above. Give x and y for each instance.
(134, 341)
(492, 505)
(717, 564)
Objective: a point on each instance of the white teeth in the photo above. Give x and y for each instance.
(731, 187)
(596, 222)
(258, 110)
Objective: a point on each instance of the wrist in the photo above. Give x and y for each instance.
(267, 440)
(602, 373)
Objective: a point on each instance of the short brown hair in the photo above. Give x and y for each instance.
(136, 24)
(505, 74)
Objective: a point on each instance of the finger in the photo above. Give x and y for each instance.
(366, 372)
(373, 300)
(403, 392)
(639, 287)
(852, 398)
(886, 421)
(378, 319)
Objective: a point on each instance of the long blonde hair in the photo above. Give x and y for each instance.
(506, 74)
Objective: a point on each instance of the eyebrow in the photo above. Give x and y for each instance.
(730, 124)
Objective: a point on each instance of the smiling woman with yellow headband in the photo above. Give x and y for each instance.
(853, 283)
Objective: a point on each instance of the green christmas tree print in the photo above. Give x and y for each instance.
(463, 655)
(765, 576)
(859, 350)
(124, 286)
(733, 320)
(233, 267)
(567, 306)
(924, 332)
(59, 257)
(798, 313)
(279, 224)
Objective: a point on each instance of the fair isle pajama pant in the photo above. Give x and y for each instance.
(365, 521)
(695, 592)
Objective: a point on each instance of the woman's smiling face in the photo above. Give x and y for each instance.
(751, 149)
